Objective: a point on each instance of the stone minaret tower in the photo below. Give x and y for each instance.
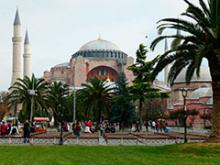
(166, 69)
(16, 39)
(27, 56)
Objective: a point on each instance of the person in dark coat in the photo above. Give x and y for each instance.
(26, 131)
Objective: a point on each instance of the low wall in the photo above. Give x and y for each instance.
(86, 141)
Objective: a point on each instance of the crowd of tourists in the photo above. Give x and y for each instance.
(11, 127)
(8, 128)
(88, 127)
(158, 126)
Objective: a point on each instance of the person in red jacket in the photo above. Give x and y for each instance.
(4, 128)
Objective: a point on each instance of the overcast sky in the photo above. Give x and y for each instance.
(58, 28)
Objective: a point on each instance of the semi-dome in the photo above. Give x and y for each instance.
(204, 76)
(202, 92)
(62, 65)
(101, 49)
(99, 44)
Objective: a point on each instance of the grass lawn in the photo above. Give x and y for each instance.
(189, 154)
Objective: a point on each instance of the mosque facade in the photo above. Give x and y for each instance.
(98, 58)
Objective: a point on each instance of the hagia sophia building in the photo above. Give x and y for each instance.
(104, 59)
(99, 58)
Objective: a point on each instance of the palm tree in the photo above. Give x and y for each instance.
(20, 94)
(200, 39)
(122, 107)
(142, 88)
(96, 98)
(56, 99)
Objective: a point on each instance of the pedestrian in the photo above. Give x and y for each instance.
(158, 126)
(87, 128)
(89, 123)
(14, 129)
(146, 125)
(77, 129)
(4, 128)
(101, 129)
(65, 126)
(26, 131)
(137, 126)
(153, 126)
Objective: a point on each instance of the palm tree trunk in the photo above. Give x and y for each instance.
(140, 113)
(214, 66)
(99, 119)
(55, 119)
(215, 134)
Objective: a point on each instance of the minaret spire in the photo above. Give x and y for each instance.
(16, 39)
(26, 39)
(27, 56)
(17, 18)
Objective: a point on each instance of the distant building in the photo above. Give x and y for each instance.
(199, 97)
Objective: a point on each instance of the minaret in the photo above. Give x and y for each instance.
(16, 39)
(166, 69)
(27, 56)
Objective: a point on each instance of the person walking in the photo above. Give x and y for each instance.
(26, 131)
(101, 129)
(77, 129)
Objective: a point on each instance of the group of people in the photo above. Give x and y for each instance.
(159, 125)
(76, 127)
(87, 126)
(156, 126)
(11, 128)
(8, 128)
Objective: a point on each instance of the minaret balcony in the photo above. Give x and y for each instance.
(16, 39)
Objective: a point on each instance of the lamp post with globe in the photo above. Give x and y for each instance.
(74, 104)
(184, 94)
(32, 92)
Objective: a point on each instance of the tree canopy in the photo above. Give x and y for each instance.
(199, 39)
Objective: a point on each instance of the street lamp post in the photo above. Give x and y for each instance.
(32, 93)
(61, 129)
(74, 104)
(184, 94)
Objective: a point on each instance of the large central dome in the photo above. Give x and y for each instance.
(99, 44)
(101, 49)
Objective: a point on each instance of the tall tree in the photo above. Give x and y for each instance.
(20, 94)
(200, 39)
(56, 100)
(122, 108)
(142, 88)
(96, 98)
